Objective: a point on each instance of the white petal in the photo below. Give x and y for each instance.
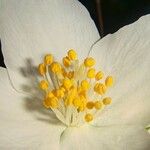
(126, 56)
(105, 138)
(24, 124)
(31, 29)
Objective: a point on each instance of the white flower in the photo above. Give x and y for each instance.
(31, 29)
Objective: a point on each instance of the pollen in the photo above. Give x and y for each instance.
(75, 91)
(98, 105)
(42, 69)
(88, 117)
(43, 85)
(107, 101)
(72, 54)
(67, 83)
(91, 73)
(85, 84)
(55, 67)
(48, 59)
(89, 62)
(99, 75)
(109, 81)
(66, 61)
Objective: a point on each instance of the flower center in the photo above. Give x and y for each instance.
(73, 91)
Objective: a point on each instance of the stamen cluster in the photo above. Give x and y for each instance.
(73, 91)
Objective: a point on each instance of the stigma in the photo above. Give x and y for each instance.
(75, 91)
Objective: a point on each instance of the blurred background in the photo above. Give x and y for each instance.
(110, 15)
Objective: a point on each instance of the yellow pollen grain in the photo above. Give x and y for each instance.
(46, 103)
(107, 101)
(59, 93)
(70, 74)
(89, 62)
(98, 105)
(66, 62)
(77, 102)
(53, 102)
(100, 88)
(55, 67)
(99, 75)
(43, 85)
(50, 94)
(72, 54)
(67, 83)
(91, 73)
(85, 84)
(42, 69)
(90, 105)
(48, 59)
(109, 81)
(88, 117)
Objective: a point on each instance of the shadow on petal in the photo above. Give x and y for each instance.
(34, 96)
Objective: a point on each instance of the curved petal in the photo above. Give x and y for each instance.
(25, 124)
(126, 56)
(105, 138)
(31, 29)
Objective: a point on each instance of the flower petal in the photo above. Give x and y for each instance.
(126, 56)
(31, 29)
(105, 138)
(23, 123)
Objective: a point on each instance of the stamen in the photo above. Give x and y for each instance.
(55, 67)
(107, 101)
(43, 85)
(48, 59)
(91, 73)
(72, 54)
(72, 89)
(89, 62)
(99, 75)
(98, 105)
(88, 117)
(42, 69)
(109, 81)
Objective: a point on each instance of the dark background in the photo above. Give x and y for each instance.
(110, 15)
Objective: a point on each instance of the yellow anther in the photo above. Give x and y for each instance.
(85, 84)
(96, 87)
(90, 105)
(43, 85)
(77, 102)
(82, 107)
(88, 117)
(53, 102)
(91, 73)
(98, 105)
(48, 59)
(100, 88)
(59, 93)
(42, 69)
(67, 83)
(99, 75)
(62, 89)
(50, 94)
(72, 54)
(89, 62)
(107, 101)
(70, 74)
(46, 103)
(55, 67)
(64, 73)
(109, 81)
(82, 92)
(66, 62)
